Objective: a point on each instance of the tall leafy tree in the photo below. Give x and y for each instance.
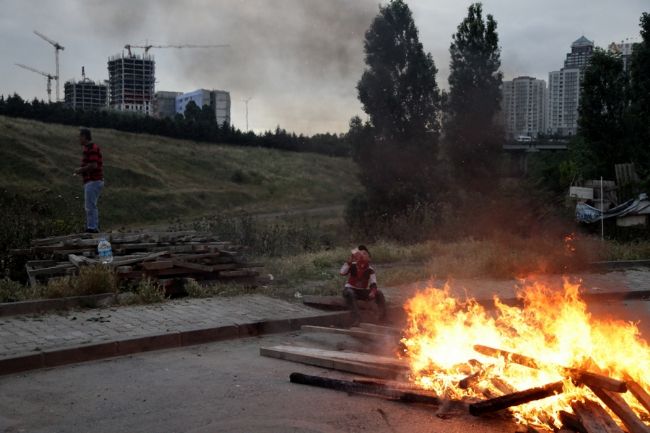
(396, 149)
(472, 135)
(603, 113)
(640, 94)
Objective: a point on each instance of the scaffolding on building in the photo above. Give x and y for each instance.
(85, 94)
(132, 82)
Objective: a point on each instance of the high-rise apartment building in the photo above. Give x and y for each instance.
(564, 89)
(218, 100)
(164, 104)
(524, 107)
(85, 94)
(132, 82)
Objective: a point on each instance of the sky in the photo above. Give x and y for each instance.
(298, 60)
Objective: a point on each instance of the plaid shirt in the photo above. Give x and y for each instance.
(91, 154)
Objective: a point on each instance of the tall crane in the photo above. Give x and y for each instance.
(57, 47)
(149, 46)
(49, 77)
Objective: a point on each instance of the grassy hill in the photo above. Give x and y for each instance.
(152, 179)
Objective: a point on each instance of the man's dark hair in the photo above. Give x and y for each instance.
(86, 133)
(364, 248)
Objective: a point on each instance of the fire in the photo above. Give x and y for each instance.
(553, 327)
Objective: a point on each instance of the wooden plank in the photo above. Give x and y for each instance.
(362, 358)
(578, 375)
(193, 266)
(381, 329)
(622, 410)
(118, 261)
(332, 363)
(571, 422)
(366, 389)
(639, 393)
(351, 332)
(158, 265)
(53, 270)
(594, 418)
(515, 399)
(57, 239)
(79, 261)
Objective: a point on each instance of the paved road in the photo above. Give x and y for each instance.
(222, 387)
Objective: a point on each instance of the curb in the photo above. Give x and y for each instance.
(93, 352)
(621, 264)
(43, 305)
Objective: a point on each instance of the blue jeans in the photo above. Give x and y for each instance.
(92, 190)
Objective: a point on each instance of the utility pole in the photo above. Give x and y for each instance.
(246, 100)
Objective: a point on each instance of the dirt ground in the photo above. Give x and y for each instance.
(221, 387)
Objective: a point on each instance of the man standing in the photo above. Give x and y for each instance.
(92, 172)
(361, 284)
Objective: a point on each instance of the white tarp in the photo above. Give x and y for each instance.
(590, 214)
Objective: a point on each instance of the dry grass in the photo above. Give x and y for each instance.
(152, 179)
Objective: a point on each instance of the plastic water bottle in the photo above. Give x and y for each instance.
(104, 251)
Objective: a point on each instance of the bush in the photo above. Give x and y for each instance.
(92, 280)
(10, 291)
(149, 291)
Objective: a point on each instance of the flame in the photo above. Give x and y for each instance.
(553, 327)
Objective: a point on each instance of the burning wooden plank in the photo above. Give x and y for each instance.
(578, 375)
(639, 393)
(515, 399)
(622, 410)
(407, 396)
(571, 422)
(594, 418)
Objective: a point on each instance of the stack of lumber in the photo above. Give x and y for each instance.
(605, 412)
(158, 255)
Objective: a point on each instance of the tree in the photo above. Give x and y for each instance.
(192, 111)
(473, 138)
(603, 113)
(640, 94)
(396, 149)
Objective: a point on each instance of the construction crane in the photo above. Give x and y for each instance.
(57, 47)
(49, 77)
(147, 47)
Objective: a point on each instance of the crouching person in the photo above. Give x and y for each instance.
(361, 284)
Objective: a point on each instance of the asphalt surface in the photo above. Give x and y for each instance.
(222, 387)
(225, 387)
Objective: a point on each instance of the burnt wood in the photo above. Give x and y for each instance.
(578, 375)
(515, 399)
(406, 396)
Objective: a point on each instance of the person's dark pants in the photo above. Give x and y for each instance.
(352, 295)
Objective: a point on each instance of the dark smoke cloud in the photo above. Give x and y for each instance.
(299, 59)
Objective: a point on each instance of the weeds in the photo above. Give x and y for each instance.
(149, 292)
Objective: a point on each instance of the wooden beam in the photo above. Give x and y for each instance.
(578, 375)
(622, 410)
(639, 393)
(594, 418)
(333, 363)
(351, 332)
(360, 388)
(379, 329)
(515, 399)
(571, 421)
(363, 358)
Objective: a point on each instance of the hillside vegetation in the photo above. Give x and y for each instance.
(152, 179)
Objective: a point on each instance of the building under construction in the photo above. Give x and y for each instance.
(85, 94)
(131, 81)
